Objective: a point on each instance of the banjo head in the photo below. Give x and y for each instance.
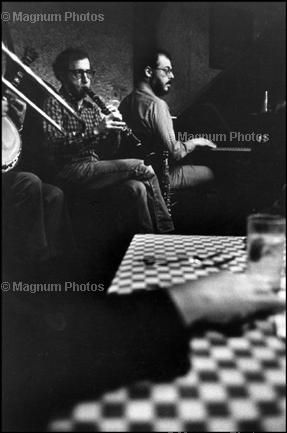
(11, 144)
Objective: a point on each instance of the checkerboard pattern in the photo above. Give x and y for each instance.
(167, 260)
(235, 384)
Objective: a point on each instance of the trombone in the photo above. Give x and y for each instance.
(43, 84)
(29, 102)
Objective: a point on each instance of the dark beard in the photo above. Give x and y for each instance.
(159, 90)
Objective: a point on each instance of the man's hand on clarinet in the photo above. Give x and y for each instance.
(113, 121)
(110, 124)
(115, 114)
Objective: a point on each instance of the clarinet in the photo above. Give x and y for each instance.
(165, 181)
(127, 131)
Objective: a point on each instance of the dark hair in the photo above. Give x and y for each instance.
(149, 59)
(61, 64)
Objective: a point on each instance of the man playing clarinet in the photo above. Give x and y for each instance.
(76, 157)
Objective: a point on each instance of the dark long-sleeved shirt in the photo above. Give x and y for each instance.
(150, 119)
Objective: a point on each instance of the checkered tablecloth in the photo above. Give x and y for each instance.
(167, 260)
(235, 384)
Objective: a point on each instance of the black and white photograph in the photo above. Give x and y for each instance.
(143, 216)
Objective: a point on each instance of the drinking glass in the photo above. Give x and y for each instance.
(265, 249)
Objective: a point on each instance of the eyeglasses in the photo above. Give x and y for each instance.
(167, 70)
(79, 73)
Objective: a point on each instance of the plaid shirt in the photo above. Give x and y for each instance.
(80, 142)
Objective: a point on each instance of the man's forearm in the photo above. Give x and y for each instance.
(162, 124)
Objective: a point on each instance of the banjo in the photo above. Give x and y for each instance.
(11, 140)
(11, 144)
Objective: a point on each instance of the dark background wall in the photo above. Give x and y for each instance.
(127, 30)
(183, 29)
(108, 42)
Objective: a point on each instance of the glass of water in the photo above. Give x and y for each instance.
(266, 235)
